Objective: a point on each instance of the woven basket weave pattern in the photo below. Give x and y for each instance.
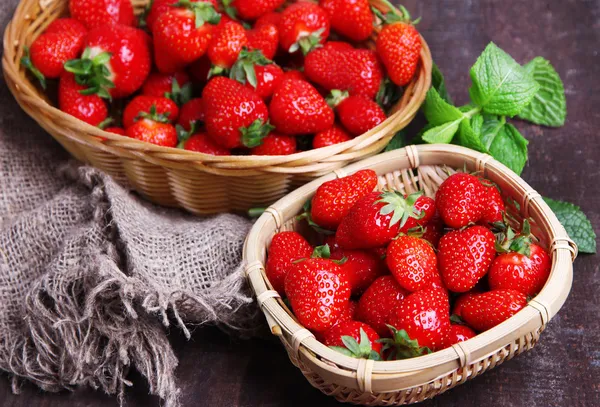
(200, 183)
(413, 380)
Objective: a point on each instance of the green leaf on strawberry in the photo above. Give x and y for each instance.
(27, 64)
(576, 224)
(401, 208)
(354, 349)
(204, 12)
(243, 70)
(253, 135)
(92, 72)
(180, 94)
(401, 346)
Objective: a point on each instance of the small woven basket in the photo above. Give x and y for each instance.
(367, 382)
(200, 183)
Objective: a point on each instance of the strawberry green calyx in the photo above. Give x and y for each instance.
(92, 72)
(105, 123)
(307, 215)
(253, 135)
(402, 208)
(324, 252)
(153, 115)
(354, 349)
(336, 97)
(204, 12)
(308, 42)
(394, 15)
(401, 346)
(243, 70)
(28, 64)
(180, 94)
(509, 241)
(229, 9)
(183, 135)
(388, 94)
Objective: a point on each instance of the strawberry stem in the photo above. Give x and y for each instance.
(336, 97)
(308, 42)
(400, 207)
(244, 68)
(92, 72)
(180, 95)
(401, 346)
(204, 12)
(253, 135)
(28, 64)
(153, 115)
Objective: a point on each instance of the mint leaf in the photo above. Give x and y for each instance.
(504, 143)
(398, 141)
(442, 134)
(576, 224)
(500, 85)
(548, 107)
(437, 111)
(439, 84)
(467, 137)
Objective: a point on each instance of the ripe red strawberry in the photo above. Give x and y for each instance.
(460, 301)
(293, 74)
(318, 292)
(334, 199)
(349, 312)
(334, 135)
(434, 230)
(465, 256)
(424, 316)
(191, 113)
(303, 26)
(115, 130)
(413, 263)
(88, 108)
(351, 18)
(354, 339)
(153, 128)
(276, 144)
(268, 18)
(458, 333)
(69, 26)
(176, 86)
(143, 104)
(182, 34)
(201, 143)
(358, 114)
(460, 200)
(97, 13)
(365, 73)
(298, 108)
(115, 63)
(250, 9)
(541, 259)
(379, 216)
(234, 115)
(378, 302)
(159, 7)
(399, 47)
(285, 249)
(225, 46)
(257, 72)
(362, 267)
(199, 71)
(493, 208)
(264, 38)
(486, 310)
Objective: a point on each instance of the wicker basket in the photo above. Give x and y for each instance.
(200, 183)
(409, 381)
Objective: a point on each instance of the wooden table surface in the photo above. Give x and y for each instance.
(564, 369)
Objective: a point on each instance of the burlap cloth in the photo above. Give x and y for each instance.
(91, 276)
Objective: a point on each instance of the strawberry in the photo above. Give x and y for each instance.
(378, 217)
(182, 34)
(399, 47)
(201, 143)
(458, 333)
(153, 128)
(285, 249)
(199, 71)
(493, 208)
(334, 199)
(88, 108)
(115, 63)
(424, 318)
(362, 267)
(115, 130)
(97, 13)
(349, 312)
(303, 26)
(159, 7)
(378, 302)
(293, 74)
(365, 73)
(225, 46)
(433, 230)
(486, 310)
(329, 137)
(257, 73)
(268, 18)
(298, 108)
(176, 86)
(462, 299)
(250, 9)
(318, 292)
(358, 114)
(543, 263)
(234, 115)
(354, 339)
(464, 257)
(69, 26)
(276, 144)
(413, 263)
(264, 38)
(143, 104)
(460, 200)
(191, 113)
(351, 18)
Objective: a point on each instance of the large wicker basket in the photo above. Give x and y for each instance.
(413, 380)
(198, 182)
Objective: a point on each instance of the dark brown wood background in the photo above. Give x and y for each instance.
(564, 369)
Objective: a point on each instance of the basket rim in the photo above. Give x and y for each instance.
(414, 96)
(532, 318)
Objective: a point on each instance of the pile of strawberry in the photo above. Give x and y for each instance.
(229, 77)
(400, 276)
